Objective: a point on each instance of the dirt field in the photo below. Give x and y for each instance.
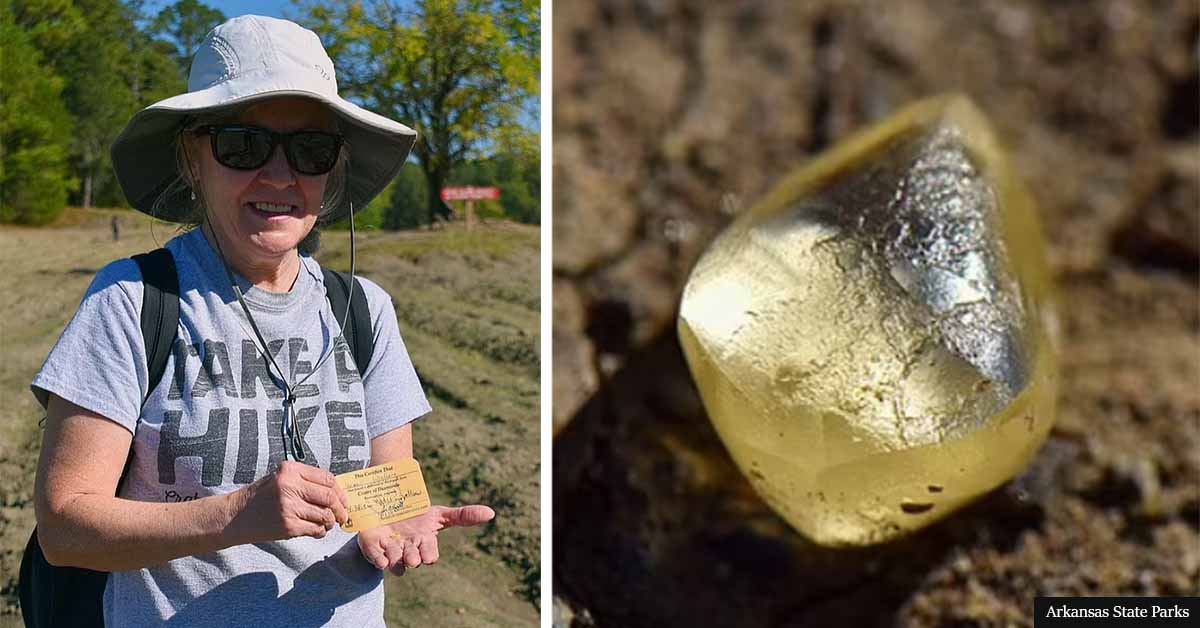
(468, 310)
(670, 116)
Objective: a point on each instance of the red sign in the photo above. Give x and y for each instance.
(470, 193)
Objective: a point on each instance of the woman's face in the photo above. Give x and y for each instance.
(247, 233)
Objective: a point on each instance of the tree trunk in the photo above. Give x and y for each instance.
(87, 190)
(434, 180)
(435, 198)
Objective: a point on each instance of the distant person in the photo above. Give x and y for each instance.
(228, 513)
(116, 229)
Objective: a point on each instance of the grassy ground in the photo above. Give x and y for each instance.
(468, 310)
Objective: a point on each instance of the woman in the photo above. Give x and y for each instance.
(212, 519)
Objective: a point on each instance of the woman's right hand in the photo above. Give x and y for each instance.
(295, 500)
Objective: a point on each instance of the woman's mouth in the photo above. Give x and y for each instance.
(272, 209)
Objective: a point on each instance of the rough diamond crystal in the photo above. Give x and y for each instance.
(874, 340)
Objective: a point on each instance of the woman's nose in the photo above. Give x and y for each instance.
(277, 171)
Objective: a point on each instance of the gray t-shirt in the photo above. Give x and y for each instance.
(213, 425)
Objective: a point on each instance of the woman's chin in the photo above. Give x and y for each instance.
(276, 243)
(278, 236)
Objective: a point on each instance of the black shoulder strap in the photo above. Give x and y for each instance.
(160, 310)
(359, 333)
(64, 596)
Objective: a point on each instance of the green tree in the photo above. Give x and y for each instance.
(518, 183)
(50, 24)
(99, 65)
(153, 75)
(407, 207)
(373, 216)
(106, 70)
(35, 128)
(461, 71)
(520, 203)
(184, 25)
(519, 177)
(101, 58)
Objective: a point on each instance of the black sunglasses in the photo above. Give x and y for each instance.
(244, 147)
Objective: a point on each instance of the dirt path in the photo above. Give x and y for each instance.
(468, 311)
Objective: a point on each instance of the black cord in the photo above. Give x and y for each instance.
(293, 443)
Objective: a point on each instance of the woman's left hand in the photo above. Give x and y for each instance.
(413, 542)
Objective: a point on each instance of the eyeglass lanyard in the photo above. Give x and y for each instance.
(288, 430)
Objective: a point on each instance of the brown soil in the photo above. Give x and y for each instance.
(672, 115)
(468, 311)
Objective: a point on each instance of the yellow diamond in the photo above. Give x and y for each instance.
(874, 341)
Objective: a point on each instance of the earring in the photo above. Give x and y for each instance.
(193, 194)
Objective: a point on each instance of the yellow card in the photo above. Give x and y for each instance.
(384, 494)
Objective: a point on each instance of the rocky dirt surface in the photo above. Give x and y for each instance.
(468, 310)
(670, 116)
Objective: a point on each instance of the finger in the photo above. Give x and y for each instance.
(315, 475)
(316, 531)
(429, 549)
(307, 528)
(394, 550)
(412, 556)
(314, 514)
(373, 552)
(340, 504)
(466, 516)
(323, 496)
(288, 467)
(342, 497)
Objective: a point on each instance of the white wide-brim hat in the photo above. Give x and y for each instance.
(245, 60)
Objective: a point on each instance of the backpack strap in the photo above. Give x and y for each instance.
(65, 596)
(358, 333)
(160, 310)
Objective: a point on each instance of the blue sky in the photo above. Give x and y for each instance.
(231, 8)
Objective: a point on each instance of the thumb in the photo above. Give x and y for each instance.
(467, 516)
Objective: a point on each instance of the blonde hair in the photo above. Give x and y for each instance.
(333, 197)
